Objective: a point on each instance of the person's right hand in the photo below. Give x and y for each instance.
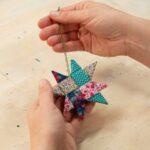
(89, 26)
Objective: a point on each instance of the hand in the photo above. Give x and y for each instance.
(90, 26)
(49, 128)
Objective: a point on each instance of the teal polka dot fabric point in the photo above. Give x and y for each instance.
(80, 77)
(74, 66)
(98, 98)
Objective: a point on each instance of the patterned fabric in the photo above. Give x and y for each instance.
(91, 89)
(78, 88)
(80, 77)
(98, 98)
(68, 85)
(58, 76)
(80, 108)
(90, 69)
(57, 91)
(74, 95)
(68, 105)
(74, 66)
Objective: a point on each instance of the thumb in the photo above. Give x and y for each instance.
(45, 93)
(67, 16)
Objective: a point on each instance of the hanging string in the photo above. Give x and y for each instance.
(64, 47)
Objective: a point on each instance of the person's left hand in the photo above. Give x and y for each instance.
(50, 128)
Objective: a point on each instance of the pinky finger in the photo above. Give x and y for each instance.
(69, 46)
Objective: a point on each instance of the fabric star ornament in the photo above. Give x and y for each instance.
(78, 88)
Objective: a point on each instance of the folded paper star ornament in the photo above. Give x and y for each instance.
(78, 88)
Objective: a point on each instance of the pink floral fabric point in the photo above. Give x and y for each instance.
(91, 89)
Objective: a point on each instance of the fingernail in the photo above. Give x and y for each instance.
(54, 13)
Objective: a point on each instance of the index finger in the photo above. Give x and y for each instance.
(44, 22)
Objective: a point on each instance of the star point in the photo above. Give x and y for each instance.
(78, 87)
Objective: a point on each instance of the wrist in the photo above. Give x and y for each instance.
(138, 40)
(43, 144)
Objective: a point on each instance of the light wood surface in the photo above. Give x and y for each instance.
(122, 125)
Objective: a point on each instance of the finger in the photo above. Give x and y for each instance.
(57, 29)
(76, 123)
(60, 103)
(69, 46)
(45, 93)
(89, 107)
(66, 17)
(67, 115)
(68, 8)
(33, 106)
(44, 22)
(55, 39)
